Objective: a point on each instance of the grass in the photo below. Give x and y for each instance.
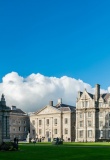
(68, 151)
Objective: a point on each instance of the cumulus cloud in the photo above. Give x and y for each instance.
(36, 90)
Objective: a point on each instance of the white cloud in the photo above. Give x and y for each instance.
(35, 91)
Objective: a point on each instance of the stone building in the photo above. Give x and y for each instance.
(19, 124)
(4, 121)
(53, 121)
(92, 116)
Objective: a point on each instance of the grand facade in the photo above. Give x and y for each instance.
(89, 121)
(92, 116)
(52, 122)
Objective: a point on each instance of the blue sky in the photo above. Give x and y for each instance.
(56, 38)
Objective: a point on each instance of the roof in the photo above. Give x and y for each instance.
(91, 95)
(65, 107)
(17, 111)
(105, 96)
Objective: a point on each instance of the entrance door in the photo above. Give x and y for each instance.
(47, 134)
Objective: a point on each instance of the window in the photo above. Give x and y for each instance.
(40, 122)
(55, 131)
(100, 123)
(81, 123)
(24, 122)
(109, 103)
(40, 131)
(19, 128)
(80, 134)
(82, 104)
(109, 123)
(33, 122)
(24, 128)
(66, 120)
(81, 116)
(100, 114)
(89, 133)
(89, 124)
(109, 133)
(47, 121)
(89, 114)
(101, 134)
(100, 104)
(66, 131)
(86, 103)
(55, 121)
(14, 129)
(19, 122)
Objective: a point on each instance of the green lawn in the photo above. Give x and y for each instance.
(68, 151)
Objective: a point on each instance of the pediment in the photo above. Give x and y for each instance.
(101, 99)
(48, 110)
(85, 96)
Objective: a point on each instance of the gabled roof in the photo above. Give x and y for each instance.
(91, 95)
(105, 96)
(85, 92)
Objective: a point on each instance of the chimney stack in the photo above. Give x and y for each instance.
(97, 92)
(60, 101)
(50, 103)
(79, 94)
(13, 108)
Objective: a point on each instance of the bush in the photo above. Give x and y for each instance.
(8, 146)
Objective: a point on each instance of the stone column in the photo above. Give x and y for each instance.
(44, 128)
(37, 127)
(76, 140)
(94, 132)
(61, 126)
(70, 126)
(85, 127)
(52, 128)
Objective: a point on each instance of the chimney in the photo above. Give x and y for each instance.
(13, 108)
(79, 94)
(60, 101)
(97, 92)
(50, 103)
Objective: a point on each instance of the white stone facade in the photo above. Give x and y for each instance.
(52, 122)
